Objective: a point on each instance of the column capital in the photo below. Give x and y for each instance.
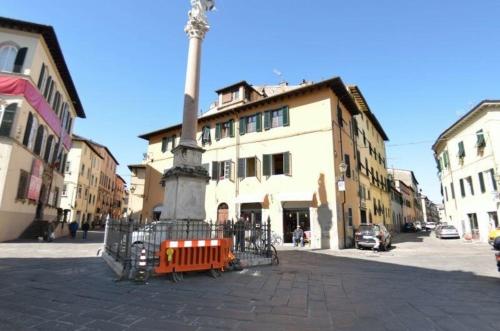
(197, 25)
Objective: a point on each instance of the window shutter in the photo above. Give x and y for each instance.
(287, 159)
(8, 120)
(258, 168)
(215, 170)
(173, 141)
(19, 61)
(218, 129)
(461, 149)
(266, 169)
(231, 128)
(41, 77)
(481, 183)
(339, 115)
(355, 127)
(493, 180)
(347, 160)
(27, 131)
(286, 116)
(267, 120)
(258, 123)
(163, 145)
(241, 168)
(243, 126)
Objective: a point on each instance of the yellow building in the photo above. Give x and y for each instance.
(271, 152)
(374, 190)
(38, 105)
(81, 176)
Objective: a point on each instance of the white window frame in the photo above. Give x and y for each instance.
(10, 50)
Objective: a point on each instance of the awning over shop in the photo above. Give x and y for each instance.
(249, 198)
(296, 196)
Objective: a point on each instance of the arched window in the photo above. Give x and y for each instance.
(49, 148)
(39, 140)
(7, 116)
(33, 131)
(27, 131)
(8, 55)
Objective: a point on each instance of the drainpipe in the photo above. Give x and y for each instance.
(343, 177)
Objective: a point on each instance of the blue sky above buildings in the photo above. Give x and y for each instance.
(420, 64)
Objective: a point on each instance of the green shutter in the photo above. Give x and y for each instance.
(231, 128)
(173, 141)
(287, 158)
(241, 168)
(259, 122)
(461, 149)
(243, 126)
(215, 170)
(218, 129)
(286, 116)
(267, 120)
(480, 139)
(266, 168)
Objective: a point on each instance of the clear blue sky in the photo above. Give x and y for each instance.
(420, 64)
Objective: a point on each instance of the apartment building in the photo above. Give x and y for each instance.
(137, 196)
(38, 106)
(271, 151)
(430, 211)
(397, 203)
(107, 182)
(118, 196)
(81, 177)
(374, 190)
(407, 184)
(468, 155)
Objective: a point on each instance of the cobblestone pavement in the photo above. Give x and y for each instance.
(419, 285)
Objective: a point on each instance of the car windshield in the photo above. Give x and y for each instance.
(449, 227)
(366, 228)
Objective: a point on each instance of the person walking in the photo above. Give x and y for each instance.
(73, 227)
(239, 229)
(85, 229)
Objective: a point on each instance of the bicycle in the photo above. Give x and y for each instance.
(276, 239)
(262, 249)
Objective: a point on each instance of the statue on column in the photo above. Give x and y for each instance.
(197, 23)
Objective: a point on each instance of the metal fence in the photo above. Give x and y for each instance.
(124, 239)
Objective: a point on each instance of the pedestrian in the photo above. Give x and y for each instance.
(73, 227)
(239, 232)
(298, 236)
(85, 229)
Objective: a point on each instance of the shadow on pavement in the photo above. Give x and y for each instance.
(93, 237)
(411, 237)
(306, 291)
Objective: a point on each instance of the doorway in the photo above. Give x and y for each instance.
(363, 216)
(292, 218)
(251, 213)
(222, 213)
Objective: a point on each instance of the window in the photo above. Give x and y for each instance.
(79, 192)
(56, 197)
(277, 164)
(224, 130)
(493, 217)
(8, 55)
(49, 148)
(64, 190)
(43, 77)
(481, 142)
(7, 119)
(251, 124)
(48, 85)
(164, 144)
(276, 118)
(446, 193)
(347, 160)
(446, 159)
(82, 171)
(493, 180)
(222, 170)
(370, 148)
(247, 167)
(461, 150)
(349, 217)
(462, 188)
(67, 166)
(40, 133)
(471, 186)
(22, 188)
(205, 135)
(236, 95)
(452, 187)
(481, 183)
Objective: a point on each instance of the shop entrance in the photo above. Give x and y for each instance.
(222, 213)
(292, 218)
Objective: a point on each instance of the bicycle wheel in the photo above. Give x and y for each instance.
(274, 256)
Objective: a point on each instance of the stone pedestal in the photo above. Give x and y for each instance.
(185, 186)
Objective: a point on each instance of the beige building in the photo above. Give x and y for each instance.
(118, 196)
(468, 155)
(136, 196)
(81, 180)
(38, 105)
(407, 184)
(374, 190)
(271, 152)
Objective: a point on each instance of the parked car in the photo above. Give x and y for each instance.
(365, 236)
(430, 226)
(495, 233)
(497, 257)
(409, 227)
(447, 231)
(418, 225)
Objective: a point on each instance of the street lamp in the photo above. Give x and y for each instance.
(342, 169)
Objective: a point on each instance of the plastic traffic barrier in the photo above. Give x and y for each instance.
(193, 255)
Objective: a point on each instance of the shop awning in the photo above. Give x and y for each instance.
(296, 196)
(249, 198)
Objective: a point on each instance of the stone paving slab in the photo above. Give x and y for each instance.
(73, 289)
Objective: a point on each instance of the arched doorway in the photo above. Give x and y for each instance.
(157, 212)
(222, 213)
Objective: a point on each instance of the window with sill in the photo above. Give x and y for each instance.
(277, 164)
(251, 124)
(22, 188)
(276, 118)
(248, 167)
(205, 135)
(7, 115)
(40, 134)
(480, 142)
(461, 150)
(165, 141)
(222, 170)
(470, 184)
(224, 130)
(12, 58)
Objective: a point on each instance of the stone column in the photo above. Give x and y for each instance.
(185, 183)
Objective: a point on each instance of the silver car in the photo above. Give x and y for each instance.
(447, 231)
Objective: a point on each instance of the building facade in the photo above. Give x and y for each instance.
(81, 177)
(406, 183)
(118, 196)
(38, 106)
(374, 190)
(430, 211)
(271, 152)
(136, 196)
(468, 155)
